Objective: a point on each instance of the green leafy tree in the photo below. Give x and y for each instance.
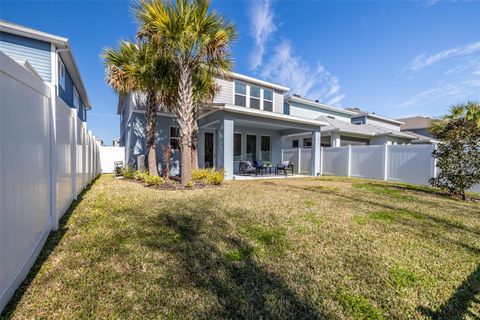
(458, 153)
(198, 40)
(136, 67)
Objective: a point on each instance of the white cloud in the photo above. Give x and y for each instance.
(423, 60)
(309, 81)
(443, 95)
(262, 27)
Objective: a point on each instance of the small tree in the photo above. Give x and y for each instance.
(458, 153)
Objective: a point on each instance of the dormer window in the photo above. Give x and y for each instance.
(61, 73)
(240, 94)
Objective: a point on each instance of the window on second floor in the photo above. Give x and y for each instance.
(76, 99)
(175, 138)
(240, 94)
(255, 97)
(61, 74)
(357, 122)
(267, 100)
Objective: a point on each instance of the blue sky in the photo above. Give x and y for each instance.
(393, 58)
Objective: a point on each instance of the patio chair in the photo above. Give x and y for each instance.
(285, 167)
(247, 167)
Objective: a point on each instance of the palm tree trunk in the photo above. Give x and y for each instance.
(186, 120)
(151, 115)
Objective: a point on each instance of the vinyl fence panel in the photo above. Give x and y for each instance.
(108, 155)
(306, 160)
(25, 208)
(335, 161)
(410, 163)
(40, 168)
(65, 153)
(367, 161)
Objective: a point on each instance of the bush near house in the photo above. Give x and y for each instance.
(209, 176)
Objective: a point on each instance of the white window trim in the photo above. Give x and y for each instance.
(170, 137)
(247, 103)
(61, 80)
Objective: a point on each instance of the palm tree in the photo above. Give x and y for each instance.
(135, 67)
(198, 41)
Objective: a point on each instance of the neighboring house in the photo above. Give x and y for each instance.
(345, 126)
(417, 124)
(246, 121)
(116, 142)
(50, 58)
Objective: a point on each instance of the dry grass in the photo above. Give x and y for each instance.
(289, 248)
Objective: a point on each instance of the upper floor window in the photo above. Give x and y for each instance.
(357, 122)
(175, 138)
(267, 100)
(255, 97)
(240, 94)
(61, 74)
(76, 99)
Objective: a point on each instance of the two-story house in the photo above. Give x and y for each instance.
(50, 58)
(345, 126)
(246, 121)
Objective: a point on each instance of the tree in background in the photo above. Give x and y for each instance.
(198, 41)
(136, 67)
(458, 153)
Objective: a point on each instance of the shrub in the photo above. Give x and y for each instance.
(128, 172)
(152, 180)
(140, 174)
(209, 176)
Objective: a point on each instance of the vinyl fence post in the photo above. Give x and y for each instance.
(321, 161)
(434, 161)
(281, 157)
(74, 155)
(349, 161)
(385, 161)
(53, 160)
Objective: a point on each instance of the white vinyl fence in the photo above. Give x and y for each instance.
(47, 158)
(108, 156)
(402, 163)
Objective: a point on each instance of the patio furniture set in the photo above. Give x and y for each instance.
(264, 167)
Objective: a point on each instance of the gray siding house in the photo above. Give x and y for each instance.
(50, 58)
(246, 121)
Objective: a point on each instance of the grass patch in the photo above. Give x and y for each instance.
(361, 220)
(384, 190)
(358, 307)
(129, 252)
(402, 277)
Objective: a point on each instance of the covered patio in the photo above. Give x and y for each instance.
(229, 135)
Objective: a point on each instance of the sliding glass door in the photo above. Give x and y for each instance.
(266, 148)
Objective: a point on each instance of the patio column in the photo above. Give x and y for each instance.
(316, 137)
(226, 146)
(335, 139)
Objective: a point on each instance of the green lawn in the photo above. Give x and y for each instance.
(274, 249)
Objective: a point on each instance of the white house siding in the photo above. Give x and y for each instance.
(35, 51)
(226, 92)
(311, 112)
(383, 124)
(278, 102)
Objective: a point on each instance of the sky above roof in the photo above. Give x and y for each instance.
(396, 58)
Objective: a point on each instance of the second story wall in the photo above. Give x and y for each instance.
(384, 124)
(306, 111)
(242, 93)
(38, 53)
(66, 91)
